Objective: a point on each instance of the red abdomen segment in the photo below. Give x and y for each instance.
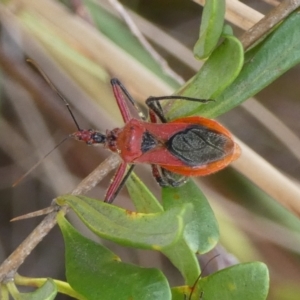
(193, 146)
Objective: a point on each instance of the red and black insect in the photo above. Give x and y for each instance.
(189, 146)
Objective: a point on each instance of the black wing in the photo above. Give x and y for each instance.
(198, 145)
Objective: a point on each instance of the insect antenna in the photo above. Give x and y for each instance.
(52, 86)
(199, 277)
(39, 162)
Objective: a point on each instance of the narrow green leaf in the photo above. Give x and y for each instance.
(211, 28)
(148, 231)
(97, 273)
(47, 291)
(143, 199)
(217, 73)
(274, 56)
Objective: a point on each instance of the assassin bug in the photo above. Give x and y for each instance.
(189, 146)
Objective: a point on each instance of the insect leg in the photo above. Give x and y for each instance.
(120, 186)
(173, 179)
(119, 89)
(111, 191)
(154, 104)
(190, 297)
(153, 116)
(158, 176)
(200, 296)
(165, 178)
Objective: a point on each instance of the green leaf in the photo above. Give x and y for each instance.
(211, 28)
(97, 273)
(244, 281)
(217, 73)
(201, 232)
(184, 259)
(274, 56)
(227, 30)
(147, 231)
(143, 199)
(47, 291)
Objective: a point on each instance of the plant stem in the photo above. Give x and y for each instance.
(266, 24)
(13, 262)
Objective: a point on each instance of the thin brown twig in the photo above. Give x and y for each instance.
(262, 27)
(10, 266)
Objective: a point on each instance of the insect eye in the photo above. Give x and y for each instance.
(98, 138)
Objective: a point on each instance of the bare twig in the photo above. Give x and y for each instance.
(13, 262)
(37, 213)
(261, 28)
(10, 266)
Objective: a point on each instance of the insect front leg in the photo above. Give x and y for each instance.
(119, 92)
(155, 110)
(118, 182)
(154, 104)
(115, 183)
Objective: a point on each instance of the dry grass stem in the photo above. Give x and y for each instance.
(137, 33)
(269, 179)
(239, 14)
(283, 133)
(159, 37)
